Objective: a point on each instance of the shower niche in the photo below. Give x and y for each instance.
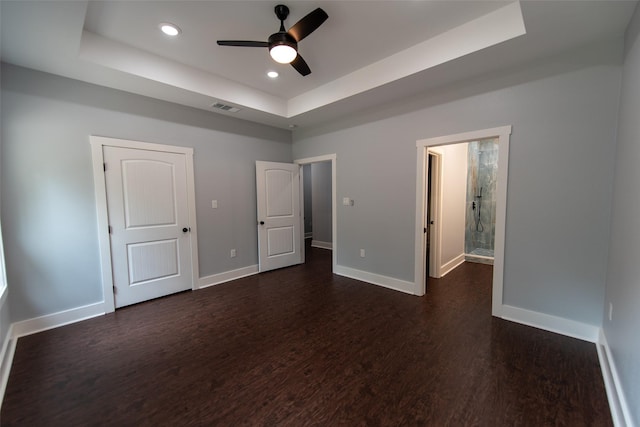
(480, 215)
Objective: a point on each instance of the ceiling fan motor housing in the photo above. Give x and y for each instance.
(282, 38)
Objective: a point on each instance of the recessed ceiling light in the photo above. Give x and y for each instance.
(170, 29)
(272, 74)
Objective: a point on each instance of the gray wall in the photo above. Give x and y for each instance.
(5, 318)
(5, 323)
(563, 113)
(321, 201)
(623, 278)
(48, 206)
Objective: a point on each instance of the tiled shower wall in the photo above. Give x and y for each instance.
(482, 174)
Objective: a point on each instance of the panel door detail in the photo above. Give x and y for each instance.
(148, 211)
(279, 227)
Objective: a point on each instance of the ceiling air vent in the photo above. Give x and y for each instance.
(225, 107)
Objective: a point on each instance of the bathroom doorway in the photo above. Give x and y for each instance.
(451, 213)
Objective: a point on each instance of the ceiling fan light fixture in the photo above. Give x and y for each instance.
(283, 47)
(283, 53)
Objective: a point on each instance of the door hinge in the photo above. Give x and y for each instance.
(114, 289)
(110, 230)
(104, 166)
(425, 229)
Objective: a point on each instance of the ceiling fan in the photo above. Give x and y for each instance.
(283, 45)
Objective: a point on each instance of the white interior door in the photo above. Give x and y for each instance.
(149, 223)
(279, 222)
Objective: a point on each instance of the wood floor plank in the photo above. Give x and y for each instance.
(300, 346)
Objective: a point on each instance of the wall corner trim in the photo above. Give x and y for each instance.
(61, 318)
(376, 279)
(227, 276)
(548, 322)
(620, 412)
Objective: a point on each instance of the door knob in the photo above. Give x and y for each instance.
(261, 222)
(184, 230)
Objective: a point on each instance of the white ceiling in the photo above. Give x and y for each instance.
(366, 53)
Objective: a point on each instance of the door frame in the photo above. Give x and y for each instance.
(503, 135)
(334, 227)
(104, 242)
(435, 255)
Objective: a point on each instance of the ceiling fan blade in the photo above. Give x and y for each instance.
(242, 43)
(308, 24)
(301, 66)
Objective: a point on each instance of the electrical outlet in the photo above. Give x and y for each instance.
(214, 204)
(361, 253)
(233, 253)
(610, 311)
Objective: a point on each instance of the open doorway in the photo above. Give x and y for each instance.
(318, 203)
(316, 178)
(430, 208)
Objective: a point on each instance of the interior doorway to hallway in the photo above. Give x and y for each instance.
(322, 221)
(316, 180)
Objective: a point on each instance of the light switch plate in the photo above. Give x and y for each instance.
(214, 204)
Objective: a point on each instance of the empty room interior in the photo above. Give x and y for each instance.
(320, 213)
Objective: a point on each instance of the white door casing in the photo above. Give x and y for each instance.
(145, 198)
(279, 220)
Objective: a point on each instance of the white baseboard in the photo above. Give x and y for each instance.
(6, 359)
(479, 259)
(61, 318)
(451, 265)
(38, 324)
(321, 245)
(227, 276)
(308, 235)
(620, 412)
(547, 322)
(376, 279)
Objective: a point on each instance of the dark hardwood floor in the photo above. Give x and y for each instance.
(300, 346)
